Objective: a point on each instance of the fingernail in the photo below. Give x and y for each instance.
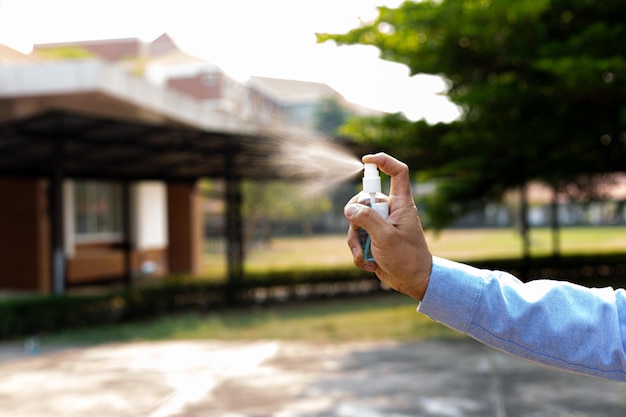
(370, 267)
(350, 210)
(355, 251)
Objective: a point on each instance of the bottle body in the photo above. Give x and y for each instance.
(379, 202)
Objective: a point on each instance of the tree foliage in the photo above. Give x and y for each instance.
(542, 84)
(329, 116)
(270, 204)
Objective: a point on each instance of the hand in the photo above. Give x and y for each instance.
(403, 260)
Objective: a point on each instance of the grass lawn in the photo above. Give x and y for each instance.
(293, 253)
(380, 317)
(386, 316)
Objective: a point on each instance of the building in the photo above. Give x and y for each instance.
(163, 64)
(101, 149)
(298, 100)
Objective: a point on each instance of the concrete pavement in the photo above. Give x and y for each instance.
(445, 378)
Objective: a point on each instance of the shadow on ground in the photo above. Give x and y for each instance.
(445, 378)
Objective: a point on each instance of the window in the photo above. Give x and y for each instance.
(98, 208)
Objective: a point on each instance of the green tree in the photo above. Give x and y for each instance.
(542, 84)
(268, 204)
(329, 116)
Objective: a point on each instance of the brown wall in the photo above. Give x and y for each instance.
(24, 235)
(25, 258)
(184, 228)
(96, 262)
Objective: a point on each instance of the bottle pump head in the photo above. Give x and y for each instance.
(371, 179)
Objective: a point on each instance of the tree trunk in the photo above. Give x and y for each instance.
(554, 224)
(523, 223)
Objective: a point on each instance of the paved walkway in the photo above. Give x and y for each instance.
(294, 379)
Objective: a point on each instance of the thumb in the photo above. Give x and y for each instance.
(360, 215)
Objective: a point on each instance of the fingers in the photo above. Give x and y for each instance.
(357, 251)
(388, 164)
(398, 171)
(361, 216)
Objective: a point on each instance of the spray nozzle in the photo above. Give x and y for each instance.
(371, 178)
(370, 170)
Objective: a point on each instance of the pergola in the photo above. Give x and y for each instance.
(88, 120)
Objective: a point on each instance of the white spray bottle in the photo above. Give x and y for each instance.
(373, 197)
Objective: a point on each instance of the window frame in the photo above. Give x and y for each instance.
(100, 205)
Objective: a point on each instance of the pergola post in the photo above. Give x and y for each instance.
(126, 226)
(57, 216)
(234, 230)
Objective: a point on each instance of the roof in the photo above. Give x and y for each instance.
(11, 55)
(116, 49)
(88, 146)
(292, 91)
(91, 120)
(610, 186)
(289, 92)
(108, 50)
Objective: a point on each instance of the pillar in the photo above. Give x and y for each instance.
(25, 235)
(185, 228)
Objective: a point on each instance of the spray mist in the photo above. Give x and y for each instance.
(373, 197)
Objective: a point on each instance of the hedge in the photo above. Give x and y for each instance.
(22, 316)
(45, 314)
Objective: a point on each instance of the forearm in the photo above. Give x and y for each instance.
(554, 323)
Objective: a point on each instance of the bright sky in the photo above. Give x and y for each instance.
(272, 38)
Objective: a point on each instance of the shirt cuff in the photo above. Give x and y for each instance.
(453, 293)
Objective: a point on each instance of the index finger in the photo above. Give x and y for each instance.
(397, 170)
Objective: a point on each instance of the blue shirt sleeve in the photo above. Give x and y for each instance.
(553, 323)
